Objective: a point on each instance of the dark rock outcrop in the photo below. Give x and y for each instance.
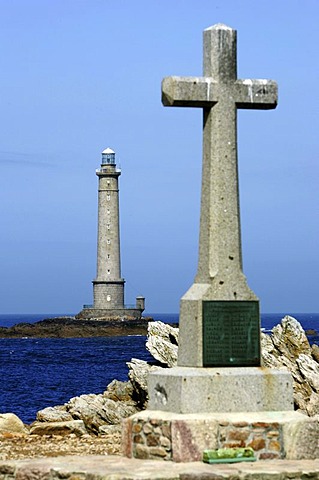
(70, 327)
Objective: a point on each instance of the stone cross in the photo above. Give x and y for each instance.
(219, 93)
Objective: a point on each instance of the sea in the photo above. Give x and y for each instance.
(42, 372)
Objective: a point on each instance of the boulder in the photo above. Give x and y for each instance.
(59, 428)
(54, 414)
(315, 352)
(312, 406)
(98, 410)
(110, 430)
(288, 347)
(162, 342)
(309, 369)
(138, 374)
(11, 423)
(120, 392)
(94, 411)
(290, 339)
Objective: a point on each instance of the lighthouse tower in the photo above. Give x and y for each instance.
(108, 286)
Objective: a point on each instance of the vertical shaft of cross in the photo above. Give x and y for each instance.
(220, 53)
(220, 242)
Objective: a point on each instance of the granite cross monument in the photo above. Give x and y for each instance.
(218, 395)
(219, 316)
(232, 401)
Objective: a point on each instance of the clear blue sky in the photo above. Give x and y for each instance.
(78, 76)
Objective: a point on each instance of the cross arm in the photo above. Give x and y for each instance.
(188, 92)
(256, 94)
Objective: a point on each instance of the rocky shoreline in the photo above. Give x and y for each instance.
(70, 327)
(92, 423)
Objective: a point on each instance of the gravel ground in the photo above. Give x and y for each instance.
(19, 447)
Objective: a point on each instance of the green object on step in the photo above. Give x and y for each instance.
(229, 455)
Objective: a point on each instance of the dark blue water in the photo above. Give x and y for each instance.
(40, 372)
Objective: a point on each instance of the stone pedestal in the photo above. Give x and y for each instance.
(214, 333)
(192, 409)
(183, 437)
(241, 389)
(199, 405)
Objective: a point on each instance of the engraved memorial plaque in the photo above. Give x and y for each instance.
(231, 333)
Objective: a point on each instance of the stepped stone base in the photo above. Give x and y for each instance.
(110, 314)
(183, 437)
(241, 389)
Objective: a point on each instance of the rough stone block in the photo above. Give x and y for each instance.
(301, 438)
(190, 437)
(142, 452)
(127, 434)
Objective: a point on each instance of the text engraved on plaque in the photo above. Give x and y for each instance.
(231, 333)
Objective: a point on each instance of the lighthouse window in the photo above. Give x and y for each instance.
(108, 197)
(108, 226)
(108, 241)
(108, 211)
(108, 255)
(108, 272)
(108, 182)
(108, 298)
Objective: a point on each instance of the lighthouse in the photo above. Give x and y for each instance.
(108, 286)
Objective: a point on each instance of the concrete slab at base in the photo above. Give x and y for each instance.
(241, 389)
(111, 467)
(183, 437)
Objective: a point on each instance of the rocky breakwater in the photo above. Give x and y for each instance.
(96, 414)
(96, 419)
